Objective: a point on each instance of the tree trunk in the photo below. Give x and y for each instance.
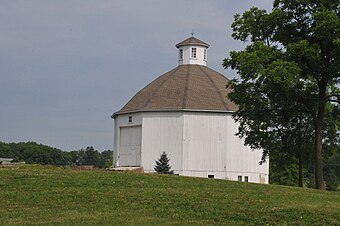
(319, 120)
(319, 181)
(300, 172)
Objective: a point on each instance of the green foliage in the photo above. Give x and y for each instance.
(332, 172)
(36, 195)
(33, 153)
(89, 156)
(162, 165)
(106, 159)
(283, 170)
(288, 94)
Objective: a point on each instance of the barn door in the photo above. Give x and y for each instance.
(130, 146)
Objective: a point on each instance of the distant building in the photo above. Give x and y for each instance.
(4, 161)
(186, 113)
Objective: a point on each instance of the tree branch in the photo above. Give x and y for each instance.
(334, 101)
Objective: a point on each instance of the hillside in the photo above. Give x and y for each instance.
(33, 194)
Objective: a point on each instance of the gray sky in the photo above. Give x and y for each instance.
(66, 66)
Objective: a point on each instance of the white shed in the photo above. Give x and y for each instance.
(186, 114)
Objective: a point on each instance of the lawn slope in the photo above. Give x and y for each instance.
(51, 195)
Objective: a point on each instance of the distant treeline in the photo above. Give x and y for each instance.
(33, 153)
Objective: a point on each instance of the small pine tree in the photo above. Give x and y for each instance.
(162, 165)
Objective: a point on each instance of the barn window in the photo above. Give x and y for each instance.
(181, 54)
(193, 52)
(245, 178)
(205, 54)
(130, 119)
(239, 178)
(211, 176)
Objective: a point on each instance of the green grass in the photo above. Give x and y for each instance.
(34, 195)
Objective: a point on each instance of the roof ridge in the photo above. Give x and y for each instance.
(217, 90)
(185, 97)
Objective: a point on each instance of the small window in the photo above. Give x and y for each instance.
(181, 54)
(193, 52)
(211, 176)
(239, 178)
(205, 54)
(245, 178)
(130, 119)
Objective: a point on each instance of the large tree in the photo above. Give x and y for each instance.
(288, 94)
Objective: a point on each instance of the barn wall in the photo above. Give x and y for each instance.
(162, 131)
(115, 145)
(197, 143)
(210, 147)
(204, 142)
(241, 160)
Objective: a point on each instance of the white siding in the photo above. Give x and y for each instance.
(162, 131)
(241, 160)
(211, 147)
(187, 59)
(197, 143)
(115, 143)
(204, 142)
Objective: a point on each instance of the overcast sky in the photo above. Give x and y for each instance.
(66, 66)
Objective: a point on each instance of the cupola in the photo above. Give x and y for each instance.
(192, 51)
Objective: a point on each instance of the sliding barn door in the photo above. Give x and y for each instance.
(130, 146)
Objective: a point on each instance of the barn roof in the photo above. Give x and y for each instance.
(186, 87)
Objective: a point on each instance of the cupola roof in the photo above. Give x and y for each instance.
(192, 41)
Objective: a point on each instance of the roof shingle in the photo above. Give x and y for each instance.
(186, 87)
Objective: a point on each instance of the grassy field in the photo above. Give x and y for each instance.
(34, 195)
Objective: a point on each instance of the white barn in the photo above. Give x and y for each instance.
(186, 114)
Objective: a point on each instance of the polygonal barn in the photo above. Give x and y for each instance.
(186, 114)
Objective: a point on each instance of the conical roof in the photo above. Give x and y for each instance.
(185, 88)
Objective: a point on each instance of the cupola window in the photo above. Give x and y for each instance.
(181, 54)
(193, 52)
(205, 55)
